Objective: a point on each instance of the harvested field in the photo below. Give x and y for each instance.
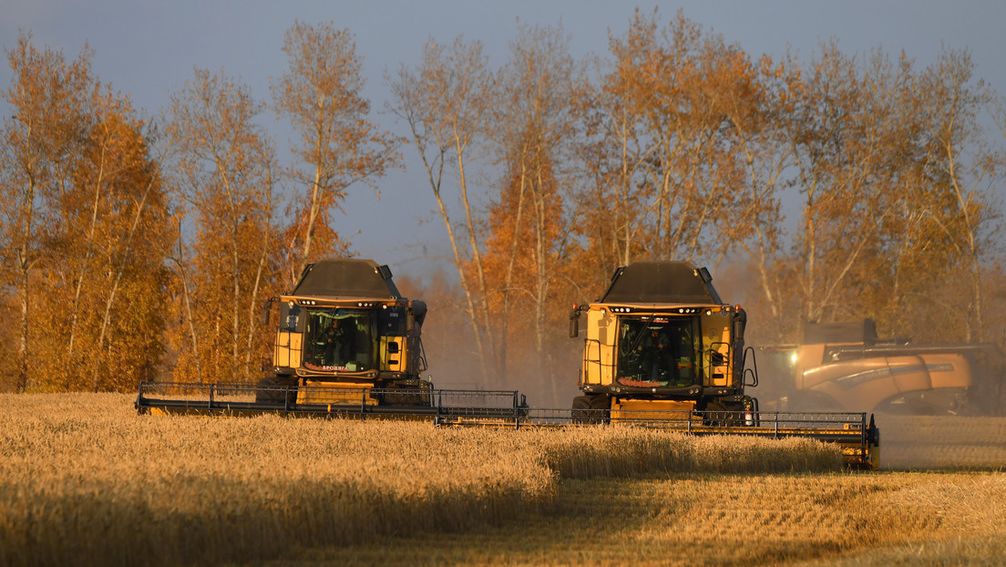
(84, 479)
(948, 516)
(823, 519)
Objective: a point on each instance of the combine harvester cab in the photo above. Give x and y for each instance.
(344, 327)
(346, 343)
(663, 350)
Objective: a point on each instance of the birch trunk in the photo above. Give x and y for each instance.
(88, 253)
(508, 279)
(118, 279)
(476, 254)
(24, 266)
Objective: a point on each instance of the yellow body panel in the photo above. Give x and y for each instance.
(289, 346)
(393, 362)
(319, 392)
(599, 348)
(672, 410)
(716, 339)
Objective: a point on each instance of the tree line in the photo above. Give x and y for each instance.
(830, 188)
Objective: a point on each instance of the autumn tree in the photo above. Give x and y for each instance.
(962, 167)
(338, 145)
(526, 246)
(110, 237)
(663, 139)
(85, 226)
(610, 154)
(883, 226)
(679, 79)
(224, 177)
(445, 103)
(765, 156)
(41, 140)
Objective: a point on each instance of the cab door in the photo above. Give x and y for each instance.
(598, 366)
(717, 359)
(289, 345)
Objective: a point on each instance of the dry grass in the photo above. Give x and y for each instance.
(85, 480)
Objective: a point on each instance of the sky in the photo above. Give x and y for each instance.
(149, 49)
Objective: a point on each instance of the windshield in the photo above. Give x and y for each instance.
(339, 339)
(656, 352)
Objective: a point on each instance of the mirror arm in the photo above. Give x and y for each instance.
(267, 310)
(574, 321)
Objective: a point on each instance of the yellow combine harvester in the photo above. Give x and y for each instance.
(346, 342)
(345, 326)
(662, 349)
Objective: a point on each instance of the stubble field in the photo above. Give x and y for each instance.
(84, 480)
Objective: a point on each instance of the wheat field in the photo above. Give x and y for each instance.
(84, 480)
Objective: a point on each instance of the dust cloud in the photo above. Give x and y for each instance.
(942, 442)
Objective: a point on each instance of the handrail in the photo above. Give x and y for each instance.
(754, 363)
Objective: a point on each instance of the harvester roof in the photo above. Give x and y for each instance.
(859, 332)
(661, 282)
(347, 278)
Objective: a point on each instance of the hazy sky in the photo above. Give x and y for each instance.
(149, 49)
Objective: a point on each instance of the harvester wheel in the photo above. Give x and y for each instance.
(602, 408)
(591, 409)
(719, 414)
(408, 392)
(276, 390)
(581, 409)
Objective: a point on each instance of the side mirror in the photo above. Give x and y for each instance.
(292, 319)
(574, 322)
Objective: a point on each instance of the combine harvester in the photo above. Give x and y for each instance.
(346, 343)
(841, 366)
(662, 351)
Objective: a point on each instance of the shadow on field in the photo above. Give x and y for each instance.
(718, 519)
(129, 531)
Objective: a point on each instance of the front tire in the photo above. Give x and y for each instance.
(581, 409)
(276, 390)
(591, 409)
